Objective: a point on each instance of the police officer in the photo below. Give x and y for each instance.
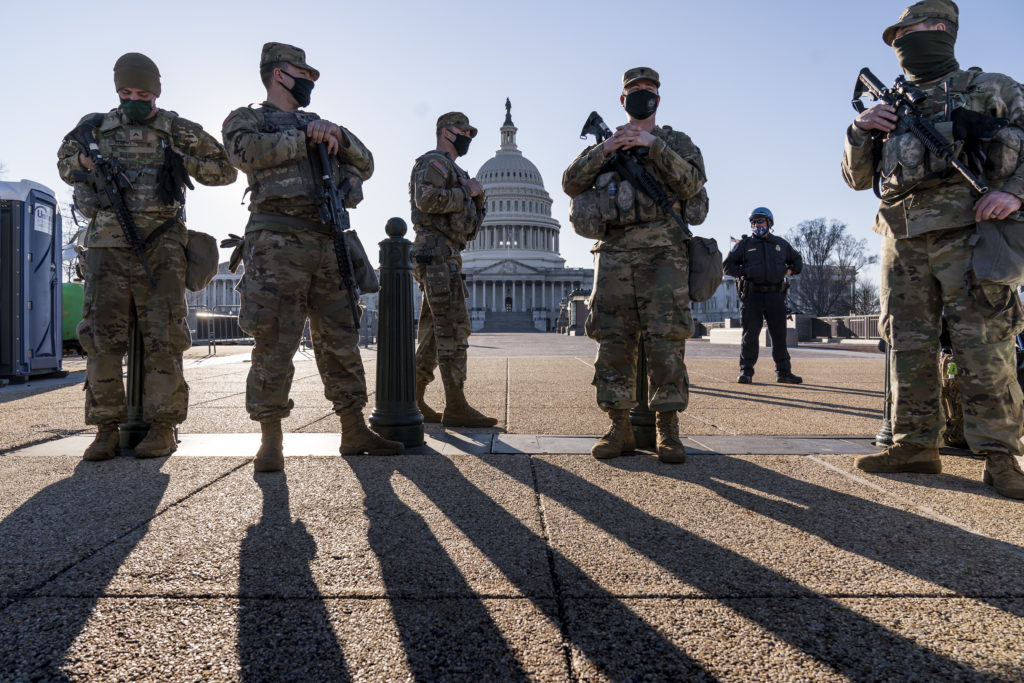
(929, 218)
(760, 262)
(291, 270)
(447, 209)
(156, 150)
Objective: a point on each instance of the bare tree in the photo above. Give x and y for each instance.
(72, 224)
(832, 258)
(865, 298)
(3, 170)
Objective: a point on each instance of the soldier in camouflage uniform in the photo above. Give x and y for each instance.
(927, 219)
(447, 209)
(291, 271)
(641, 275)
(136, 135)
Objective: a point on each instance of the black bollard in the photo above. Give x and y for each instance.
(134, 429)
(642, 417)
(396, 415)
(884, 436)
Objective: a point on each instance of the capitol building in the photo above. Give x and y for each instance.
(514, 274)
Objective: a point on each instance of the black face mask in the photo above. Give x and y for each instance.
(461, 143)
(926, 56)
(300, 90)
(641, 104)
(136, 111)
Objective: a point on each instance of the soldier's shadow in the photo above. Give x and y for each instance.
(753, 591)
(284, 630)
(460, 629)
(59, 551)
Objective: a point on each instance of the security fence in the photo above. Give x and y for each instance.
(215, 328)
(846, 327)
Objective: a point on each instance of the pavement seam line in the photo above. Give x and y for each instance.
(556, 585)
(53, 577)
(508, 399)
(923, 509)
(589, 365)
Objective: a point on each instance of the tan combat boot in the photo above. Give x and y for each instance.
(357, 438)
(429, 414)
(159, 441)
(104, 446)
(458, 412)
(1003, 472)
(902, 458)
(270, 456)
(670, 448)
(619, 438)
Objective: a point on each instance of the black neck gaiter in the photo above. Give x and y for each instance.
(926, 56)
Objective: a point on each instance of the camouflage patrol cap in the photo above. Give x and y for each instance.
(640, 73)
(136, 70)
(282, 52)
(456, 118)
(919, 11)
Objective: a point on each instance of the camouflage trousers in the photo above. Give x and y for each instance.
(115, 282)
(641, 293)
(288, 277)
(443, 334)
(922, 277)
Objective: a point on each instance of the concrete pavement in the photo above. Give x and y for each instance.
(506, 553)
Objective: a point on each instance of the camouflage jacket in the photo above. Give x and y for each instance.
(268, 144)
(139, 149)
(920, 193)
(673, 160)
(440, 204)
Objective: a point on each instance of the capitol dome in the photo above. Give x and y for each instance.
(513, 266)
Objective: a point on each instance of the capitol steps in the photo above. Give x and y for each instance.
(510, 321)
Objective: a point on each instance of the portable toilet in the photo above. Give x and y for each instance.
(30, 281)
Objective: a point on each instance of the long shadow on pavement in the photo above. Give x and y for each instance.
(284, 630)
(58, 528)
(403, 543)
(823, 629)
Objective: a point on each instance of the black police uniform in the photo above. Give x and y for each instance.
(761, 263)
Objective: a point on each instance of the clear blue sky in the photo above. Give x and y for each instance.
(763, 88)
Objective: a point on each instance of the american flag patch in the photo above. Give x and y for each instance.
(440, 167)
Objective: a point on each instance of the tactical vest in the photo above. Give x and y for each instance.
(139, 148)
(293, 182)
(458, 227)
(905, 164)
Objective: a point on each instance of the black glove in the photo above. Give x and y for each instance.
(172, 178)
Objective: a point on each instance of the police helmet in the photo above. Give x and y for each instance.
(763, 212)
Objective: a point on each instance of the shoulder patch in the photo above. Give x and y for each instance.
(436, 163)
(230, 116)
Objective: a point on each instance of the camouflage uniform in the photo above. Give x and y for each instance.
(115, 279)
(927, 222)
(640, 276)
(291, 271)
(445, 218)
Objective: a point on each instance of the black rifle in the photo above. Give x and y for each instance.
(333, 213)
(906, 100)
(109, 180)
(628, 166)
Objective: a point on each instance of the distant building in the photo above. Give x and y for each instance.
(514, 274)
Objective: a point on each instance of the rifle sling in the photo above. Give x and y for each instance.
(159, 230)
